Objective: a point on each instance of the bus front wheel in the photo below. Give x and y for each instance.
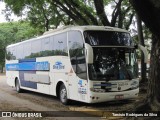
(17, 85)
(63, 95)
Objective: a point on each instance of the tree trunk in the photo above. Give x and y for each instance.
(154, 81)
(152, 101)
(1, 68)
(149, 13)
(141, 41)
(99, 5)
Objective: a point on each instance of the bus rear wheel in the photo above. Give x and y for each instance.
(63, 95)
(17, 85)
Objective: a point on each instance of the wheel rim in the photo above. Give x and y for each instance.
(63, 95)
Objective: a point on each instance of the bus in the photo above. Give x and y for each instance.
(89, 64)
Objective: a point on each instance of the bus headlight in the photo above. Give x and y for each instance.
(135, 84)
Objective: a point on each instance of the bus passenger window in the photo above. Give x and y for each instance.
(60, 44)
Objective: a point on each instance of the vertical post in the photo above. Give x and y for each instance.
(141, 41)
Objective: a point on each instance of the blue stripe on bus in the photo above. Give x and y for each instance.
(42, 66)
(25, 83)
(28, 66)
(27, 60)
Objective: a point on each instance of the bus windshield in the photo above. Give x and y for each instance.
(97, 38)
(114, 56)
(113, 64)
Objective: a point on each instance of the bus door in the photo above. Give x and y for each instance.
(72, 85)
(77, 87)
(78, 79)
(78, 65)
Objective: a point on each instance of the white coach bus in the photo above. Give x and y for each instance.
(84, 63)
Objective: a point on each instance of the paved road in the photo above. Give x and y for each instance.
(10, 100)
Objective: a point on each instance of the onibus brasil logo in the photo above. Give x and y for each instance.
(58, 65)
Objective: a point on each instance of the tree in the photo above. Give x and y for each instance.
(14, 32)
(148, 11)
(42, 14)
(2, 56)
(76, 12)
(141, 41)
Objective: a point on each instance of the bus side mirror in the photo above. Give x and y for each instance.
(144, 50)
(89, 53)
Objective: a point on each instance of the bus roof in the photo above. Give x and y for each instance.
(68, 28)
(89, 27)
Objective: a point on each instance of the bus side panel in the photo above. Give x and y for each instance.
(52, 87)
(47, 83)
(10, 77)
(59, 69)
(26, 83)
(11, 74)
(26, 67)
(44, 83)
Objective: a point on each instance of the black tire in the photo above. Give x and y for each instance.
(17, 85)
(63, 95)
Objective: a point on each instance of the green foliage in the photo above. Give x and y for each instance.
(10, 56)
(17, 7)
(43, 13)
(47, 53)
(14, 32)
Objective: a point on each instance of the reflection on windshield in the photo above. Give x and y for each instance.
(97, 38)
(113, 64)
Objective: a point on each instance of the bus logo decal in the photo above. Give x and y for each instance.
(81, 88)
(58, 65)
(80, 83)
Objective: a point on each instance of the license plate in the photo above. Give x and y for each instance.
(119, 97)
(122, 84)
